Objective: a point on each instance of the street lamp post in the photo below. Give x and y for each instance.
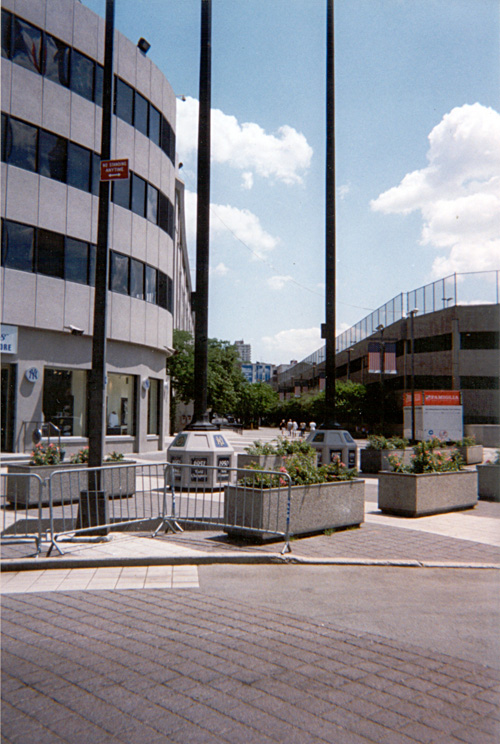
(382, 370)
(412, 337)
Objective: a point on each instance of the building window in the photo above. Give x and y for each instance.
(79, 159)
(165, 299)
(98, 84)
(96, 173)
(92, 261)
(121, 193)
(154, 406)
(118, 278)
(120, 404)
(165, 214)
(479, 383)
(65, 400)
(150, 275)
(433, 343)
(50, 254)
(136, 279)
(76, 261)
(152, 204)
(124, 101)
(52, 156)
(6, 33)
(56, 55)
(141, 107)
(138, 203)
(154, 125)
(82, 75)
(18, 246)
(27, 49)
(21, 144)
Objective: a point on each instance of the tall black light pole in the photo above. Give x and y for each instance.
(200, 414)
(328, 329)
(412, 337)
(382, 374)
(97, 385)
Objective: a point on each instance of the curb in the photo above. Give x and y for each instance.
(42, 564)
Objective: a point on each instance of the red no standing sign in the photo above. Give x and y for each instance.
(113, 170)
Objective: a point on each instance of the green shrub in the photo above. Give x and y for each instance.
(465, 442)
(280, 446)
(399, 442)
(302, 469)
(427, 459)
(378, 442)
(82, 457)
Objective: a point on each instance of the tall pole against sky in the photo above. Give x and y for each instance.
(328, 330)
(200, 415)
(97, 383)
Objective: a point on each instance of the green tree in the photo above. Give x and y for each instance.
(224, 379)
(257, 401)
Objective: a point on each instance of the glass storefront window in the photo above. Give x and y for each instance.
(154, 406)
(120, 404)
(65, 400)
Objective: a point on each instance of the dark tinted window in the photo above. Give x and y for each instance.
(166, 137)
(165, 214)
(479, 383)
(52, 156)
(99, 76)
(121, 193)
(92, 257)
(78, 166)
(82, 75)
(6, 33)
(136, 279)
(154, 125)
(433, 343)
(165, 298)
(150, 284)
(56, 60)
(480, 340)
(141, 113)
(27, 45)
(18, 246)
(152, 204)
(119, 273)
(76, 261)
(124, 101)
(20, 144)
(4, 135)
(138, 195)
(50, 253)
(96, 173)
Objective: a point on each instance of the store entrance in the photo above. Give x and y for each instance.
(8, 398)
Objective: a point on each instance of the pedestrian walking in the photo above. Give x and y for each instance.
(282, 426)
(289, 427)
(295, 426)
(303, 429)
(312, 426)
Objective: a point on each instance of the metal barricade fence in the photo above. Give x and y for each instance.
(244, 503)
(94, 501)
(21, 502)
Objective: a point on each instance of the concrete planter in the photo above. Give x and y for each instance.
(118, 482)
(373, 460)
(472, 455)
(314, 508)
(488, 480)
(411, 495)
(268, 462)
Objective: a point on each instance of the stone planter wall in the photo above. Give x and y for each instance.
(410, 495)
(118, 483)
(313, 508)
(488, 482)
(472, 455)
(373, 461)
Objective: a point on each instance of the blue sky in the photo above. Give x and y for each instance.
(417, 152)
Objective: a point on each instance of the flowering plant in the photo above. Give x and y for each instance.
(280, 446)
(82, 456)
(302, 470)
(379, 442)
(46, 454)
(427, 459)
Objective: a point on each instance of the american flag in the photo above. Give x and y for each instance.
(373, 357)
(390, 359)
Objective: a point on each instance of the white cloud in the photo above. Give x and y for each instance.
(284, 155)
(245, 225)
(278, 282)
(219, 270)
(458, 193)
(343, 191)
(295, 343)
(247, 179)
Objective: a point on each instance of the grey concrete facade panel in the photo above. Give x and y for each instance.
(85, 30)
(18, 297)
(26, 95)
(6, 85)
(79, 214)
(52, 205)
(18, 181)
(56, 108)
(59, 19)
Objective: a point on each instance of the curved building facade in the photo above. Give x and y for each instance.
(52, 71)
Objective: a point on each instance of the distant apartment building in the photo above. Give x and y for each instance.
(52, 76)
(244, 350)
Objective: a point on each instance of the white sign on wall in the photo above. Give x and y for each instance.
(8, 339)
